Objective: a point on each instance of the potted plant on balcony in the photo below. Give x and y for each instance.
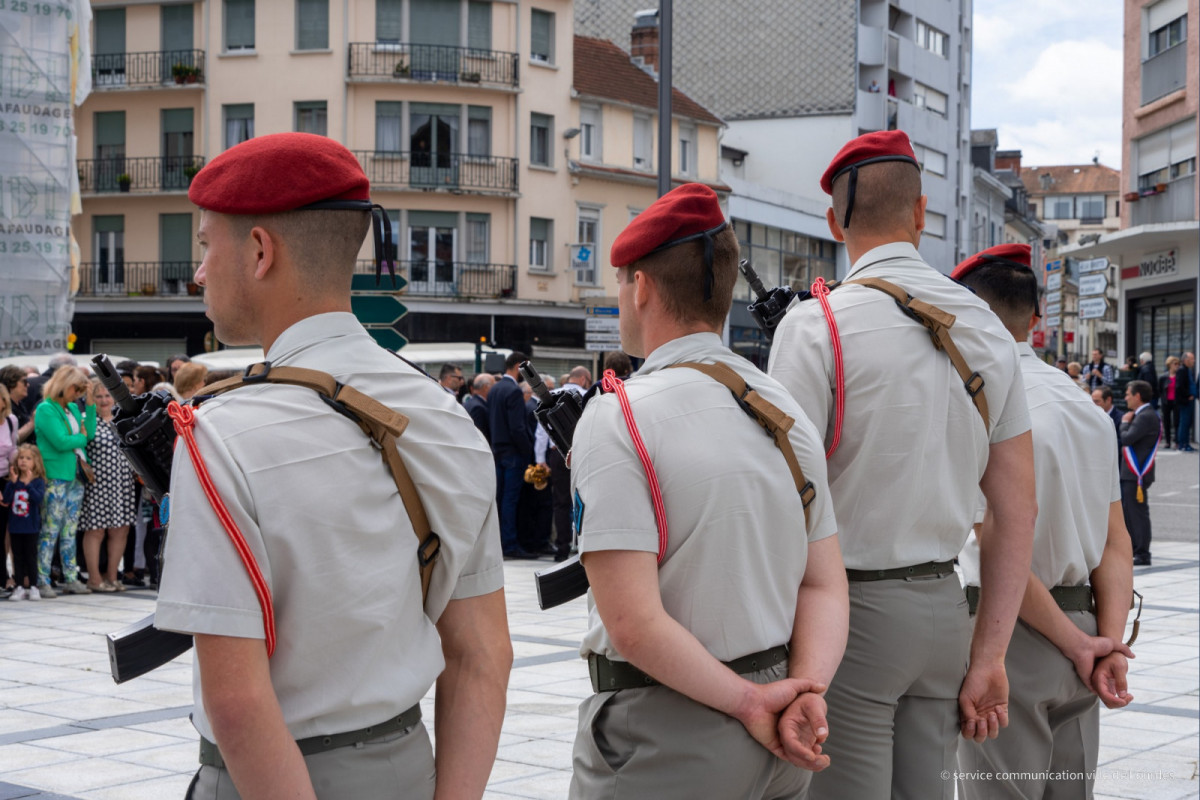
(180, 72)
(1132, 197)
(189, 172)
(124, 181)
(470, 77)
(193, 75)
(401, 70)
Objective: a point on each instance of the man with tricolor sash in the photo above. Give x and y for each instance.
(1140, 432)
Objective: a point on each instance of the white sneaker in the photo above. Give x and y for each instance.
(45, 591)
(19, 593)
(34, 594)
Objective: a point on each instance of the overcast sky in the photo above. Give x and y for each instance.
(1047, 76)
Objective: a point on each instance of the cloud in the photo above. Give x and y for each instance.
(1071, 76)
(1049, 142)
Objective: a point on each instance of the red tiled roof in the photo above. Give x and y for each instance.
(1072, 179)
(604, 70)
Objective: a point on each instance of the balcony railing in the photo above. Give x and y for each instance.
(1164, 73)
(453, 171)
(432, 62)
(138, 279)
(162, 174)
(146, 70)
(450, 279)
(1176, 204)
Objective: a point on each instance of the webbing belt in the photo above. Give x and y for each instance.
(930, 569)
(766, 414)
(210, 755)
(1068, 598)
(609, 676)
(938, 323)
(380, 423)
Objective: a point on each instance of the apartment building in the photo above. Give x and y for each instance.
(463, 114)
(1156, 252)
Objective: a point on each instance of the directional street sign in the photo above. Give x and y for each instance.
(1054, 281)
(1054, 266)
(1053, 322)
(605, 324)
(611, 339)
(1092, 307)
(603, 311)
(1053, 309)
(377, 309)
(387, 337)
(366, 283)
(1054, 297)
(1090, 285)
(1093, 265)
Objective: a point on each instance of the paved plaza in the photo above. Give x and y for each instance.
(67, 731)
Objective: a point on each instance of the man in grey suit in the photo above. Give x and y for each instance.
(1140, 432)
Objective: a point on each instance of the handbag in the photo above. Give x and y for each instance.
(83, 471)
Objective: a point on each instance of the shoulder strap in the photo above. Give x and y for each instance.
(766, 414)
(381, 424)
(938, 323)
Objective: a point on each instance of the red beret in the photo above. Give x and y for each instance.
(868, 149)
(280, 172)
(687, 211)
(1016, 256)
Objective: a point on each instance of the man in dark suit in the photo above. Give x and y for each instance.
(476, 403)
(1149, 375)
(1103, 397)
(512, 446)
(1185, 400)
(1140, 432)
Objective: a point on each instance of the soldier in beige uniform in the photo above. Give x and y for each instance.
(334, 712)
(1066, 654)
(914, 452)
(704, 662)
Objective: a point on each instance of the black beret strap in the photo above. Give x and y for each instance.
(853, 170)
(707, 237)
(381, 231)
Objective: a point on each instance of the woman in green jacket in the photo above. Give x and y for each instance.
(63, 432)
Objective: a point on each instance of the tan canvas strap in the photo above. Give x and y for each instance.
(766, 413)
(380, 423)
(938, 323)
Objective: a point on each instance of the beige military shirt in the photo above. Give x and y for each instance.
(1075, 469)
(738, 540)
(913, 446)
(321, 514)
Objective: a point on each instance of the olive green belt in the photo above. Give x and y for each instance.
(608, 675)
(930, 569)
(1069, 598)
(210, 756)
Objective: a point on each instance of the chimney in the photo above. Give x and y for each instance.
(1009, 159)
(643, 40)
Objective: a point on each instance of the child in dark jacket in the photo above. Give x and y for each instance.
(23, 497)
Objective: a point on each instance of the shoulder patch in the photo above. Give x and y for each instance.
(577, 514)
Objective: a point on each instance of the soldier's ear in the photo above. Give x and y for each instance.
(835, 230)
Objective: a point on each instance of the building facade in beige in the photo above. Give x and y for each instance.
(463, 114)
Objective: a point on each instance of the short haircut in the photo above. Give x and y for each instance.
(1105, 392)
(61, 360)
(679, 274)
(323, 244)
(514, 358)
(11, 375)
(147, 375)
(883, 198)
(1172, 360)
(618, 362)
(1141, 389)
(1144, 357)
(63, 378)
(585, 373)
(482, 381)
(189, 378)
(1011, 293)
(448, 369)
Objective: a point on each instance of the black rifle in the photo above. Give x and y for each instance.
(770, 307)
(558, 412)
(147, 437)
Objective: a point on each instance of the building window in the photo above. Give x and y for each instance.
(643, 133)
(239, 123)
(312, 117)
(478, 239)
(783, 258)
(1183, 168)
(935, 224)
(931, 161)
(108, 252)
(929, 98)
(239, 25)
(540, 243)
(687, 150)
(1169, 35)
(541, 128)
(932, 39)
(541, 36)
(588, 234)
(479, 131)
(312, 24)
(1090, 206)
(388, 117)
(1060, 207)
(589, 134)
(387, 21)
(479, 25)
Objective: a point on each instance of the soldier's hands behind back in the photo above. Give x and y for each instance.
(803, 727)
(983, 702)
(1108, 680)
(764, 702)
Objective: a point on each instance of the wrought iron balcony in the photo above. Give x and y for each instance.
(451, 171)
(141, 175)
(450, 279)
(432, 62)
(138, 279)
(151, 70)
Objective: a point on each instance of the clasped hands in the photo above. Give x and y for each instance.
(787, 717)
